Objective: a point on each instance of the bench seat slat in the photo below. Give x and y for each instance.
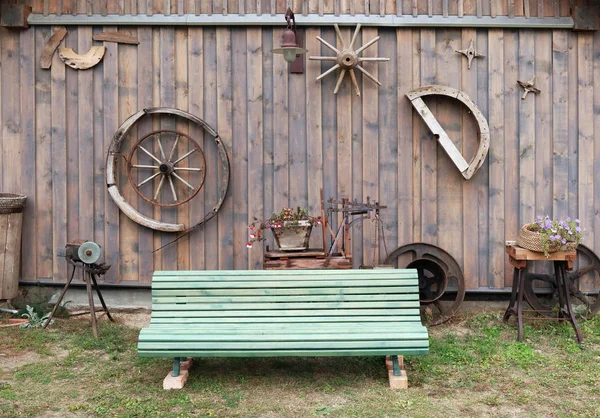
(298, 319)
(175, 291)
(287, 313)
(278, 275)
(281, 345)
(149, 339)
(255, 284)
(268, 298)
(217, 307)
(319, 327)
(282, 353)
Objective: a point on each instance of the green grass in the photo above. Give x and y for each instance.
(476, 368)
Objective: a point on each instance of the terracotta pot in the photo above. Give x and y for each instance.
(292, 236)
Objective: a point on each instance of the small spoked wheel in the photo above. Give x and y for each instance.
(583, 284)
(166, 168)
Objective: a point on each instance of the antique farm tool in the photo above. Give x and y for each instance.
(84, 255)
(348, 209)
(173, 171)
(82, 62)
(470, 53)
(347, 59)
(467, 169)
(438, 273)
(528, 87)
(587, 270)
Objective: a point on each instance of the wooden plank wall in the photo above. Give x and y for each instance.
(511, 8)
(288, 136)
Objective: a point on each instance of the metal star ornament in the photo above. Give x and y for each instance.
(528, 86)
(470, 53)
(347, 59)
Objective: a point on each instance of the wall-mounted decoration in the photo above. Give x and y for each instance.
(292, 45)
(50, 47)
(167, 161)
(470, 53)
(528, 87)
(14, 16)
(466, 169)
(347, 59)
(82, 62)
(117, 37)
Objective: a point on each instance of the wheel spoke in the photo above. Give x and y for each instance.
(339, 34)
(368, 44)
(160, 184)
(162, 151)
(148, 179)
(368, 74)
(339, 81)
(186, 169)
(154, 167)
(335, 67)
(328, 45)
(172, 188)
(185, 156)
(354, 36)
(183, 181)
(174, 146)
(150, 154)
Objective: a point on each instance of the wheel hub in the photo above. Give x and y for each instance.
(166, 168)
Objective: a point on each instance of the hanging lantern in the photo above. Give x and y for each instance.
(290, 45)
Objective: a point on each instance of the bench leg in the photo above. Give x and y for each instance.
(176, 367)
(396, 373)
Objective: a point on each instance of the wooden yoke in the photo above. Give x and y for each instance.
(466, 169)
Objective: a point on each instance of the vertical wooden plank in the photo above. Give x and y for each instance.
(540, 8)
(344, 130)
(211, 238)
(59, 168)
(511, 8)
(255, 141)
(280, 129)
(182, 83)
(388, 142)
(417, 127)
(37, 6)
(518, 7)
(586, 137)
(370, 95)
(85, 135)
(72, 169)
(527, 130)
(560, 124)
(526, 9)
(449, 180)
(144, 127)
(543, 123)
(111, 124)
(479, 8)
(445, 8)
(167, 99)
(357, 164)
(224, 112)
(359, 6)
(196, 107)
(268, 126)
(512, 96)
(496, 157)
(595, 284)
(313, 7)
(127, 97)
(471, 235)
(405, 58)
(28, 143)
(242, 185)
(10, 115)
(297, 140)
(314, 134)
(483, 175)
(428, 202)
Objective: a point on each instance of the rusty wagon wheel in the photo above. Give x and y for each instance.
(164, 162)
(167, 166)
(585, 303)
(438, 271)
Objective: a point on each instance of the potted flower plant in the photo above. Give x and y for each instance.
(291, 228)
(550, 235)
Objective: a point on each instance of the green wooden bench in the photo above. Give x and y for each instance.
(260, 313)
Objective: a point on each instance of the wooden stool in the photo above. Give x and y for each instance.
(563, 261)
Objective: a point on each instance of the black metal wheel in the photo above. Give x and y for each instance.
(438, 273)
(583, 284)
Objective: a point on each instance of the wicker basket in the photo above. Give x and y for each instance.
(12, 203)
(533, 241)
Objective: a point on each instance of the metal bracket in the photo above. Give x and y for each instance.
(396, 366)
(176, 367)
